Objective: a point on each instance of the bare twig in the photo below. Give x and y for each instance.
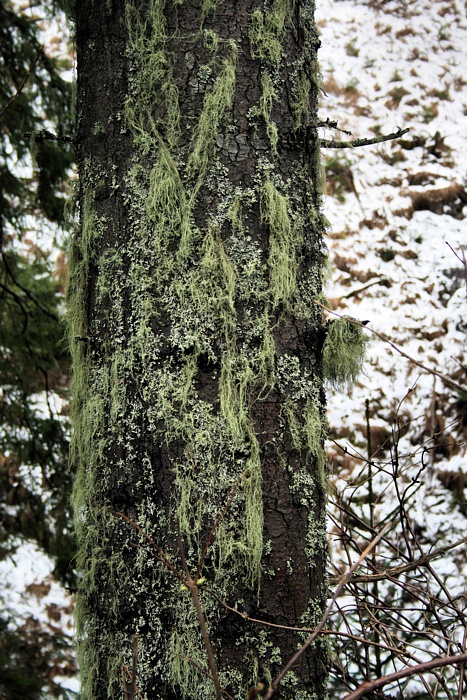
(340, 588)
(134, 668)
(205, 673)
(462, 668)
(190, 583)
(462, 259)
(26, 291)
(325, 143)
(130, 676)
(370, 686)
(158, 553)
(444, 378)
(122, 671)
(403, 568)
(354, 292)
(329, 124)
(23, 83)
(402, 653)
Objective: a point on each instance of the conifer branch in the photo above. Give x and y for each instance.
(45, 135)
(23, 83)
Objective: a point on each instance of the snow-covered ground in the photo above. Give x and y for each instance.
(402, 65)
(397, 212)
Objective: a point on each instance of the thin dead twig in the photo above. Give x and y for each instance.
(159, 553)
(190, 583)
(462, 259)
(122, 671)
(134, 668)
(130, 676)
(205, 673)
(329, 632)
(403, 568)
(23, 83)
(370, 686)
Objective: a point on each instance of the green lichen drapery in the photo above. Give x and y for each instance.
(196, 343)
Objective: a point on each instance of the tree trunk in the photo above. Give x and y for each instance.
(197, 345)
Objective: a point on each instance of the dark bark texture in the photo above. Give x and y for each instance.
(196, 343)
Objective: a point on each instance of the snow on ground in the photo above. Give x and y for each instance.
(28, 588)
(32, 601)
(396, 212)
(399, 66)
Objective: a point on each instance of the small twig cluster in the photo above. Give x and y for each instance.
(401, 609)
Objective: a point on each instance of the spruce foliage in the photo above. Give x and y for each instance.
(34, 478)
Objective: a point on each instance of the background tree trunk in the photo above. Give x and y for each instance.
(196, 343)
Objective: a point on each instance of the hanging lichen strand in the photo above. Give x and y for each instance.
(343, 351)
(196, 343)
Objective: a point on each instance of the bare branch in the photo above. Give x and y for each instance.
(370, 686)
(205, 673)
(134, 668)
(158, 553)
(325, 143)
(129, 674)
(403, 568)
(191, 585)
(462, 259)
(122, 671)
(328, 124)
(354, 292)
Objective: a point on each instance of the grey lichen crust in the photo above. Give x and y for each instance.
(185, 342)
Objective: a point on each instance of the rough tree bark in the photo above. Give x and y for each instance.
(196, 344)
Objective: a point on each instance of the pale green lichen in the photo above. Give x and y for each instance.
(216, 103)
(343, 352)
(267, 32)
(285, 236)
(211, 40)
(268, 95)
(301, 105)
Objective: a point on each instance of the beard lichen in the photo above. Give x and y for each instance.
(285, 237)
(343, 352)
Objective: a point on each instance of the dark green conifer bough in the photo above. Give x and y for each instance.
(35, 482)
(197, 348)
